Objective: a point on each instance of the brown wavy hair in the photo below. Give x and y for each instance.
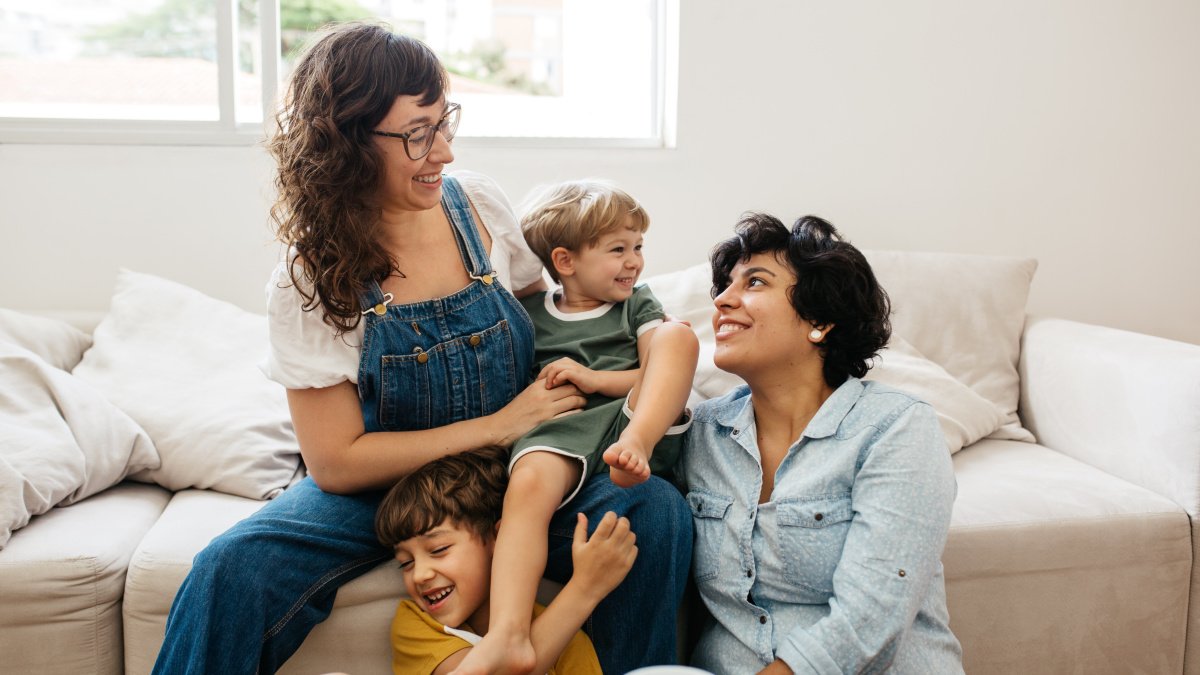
(466, 489)
(330, 172)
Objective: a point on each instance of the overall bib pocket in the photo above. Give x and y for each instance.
(469, 376)
(712, 532)
(812, 532)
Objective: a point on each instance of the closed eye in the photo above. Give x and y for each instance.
(406, 564)
(442, 549)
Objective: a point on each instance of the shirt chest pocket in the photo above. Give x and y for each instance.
(812, 533)
(713, 541)
(460, 379)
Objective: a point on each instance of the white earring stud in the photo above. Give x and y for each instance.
(816, 334)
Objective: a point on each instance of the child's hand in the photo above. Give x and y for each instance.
(602, 561)
(565, 370)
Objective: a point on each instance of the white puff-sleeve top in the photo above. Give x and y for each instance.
(305, 352)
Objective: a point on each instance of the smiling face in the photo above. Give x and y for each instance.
(447, 572)
(757, 329)
(607, 271)
(412, 185)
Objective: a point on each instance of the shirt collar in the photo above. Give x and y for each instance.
(835, 408)
(738, 412)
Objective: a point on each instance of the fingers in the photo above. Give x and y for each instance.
(580, 529)
(607, 525)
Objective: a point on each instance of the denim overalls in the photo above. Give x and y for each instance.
(428, 364)
(257, 590)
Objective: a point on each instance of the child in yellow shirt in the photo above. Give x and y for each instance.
(441, 521)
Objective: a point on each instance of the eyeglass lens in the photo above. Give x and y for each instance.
(421, 142)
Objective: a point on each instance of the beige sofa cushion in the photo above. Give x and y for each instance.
(1053, 566)
(62, 578)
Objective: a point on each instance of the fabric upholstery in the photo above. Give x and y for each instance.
(1053, 566)
(1125, 403)
(62, 579)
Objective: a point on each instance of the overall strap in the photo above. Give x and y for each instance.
(372, 298)
(470, 246)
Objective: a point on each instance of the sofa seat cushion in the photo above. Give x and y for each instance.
(353, 639)
(61, 581)
(1042, 544)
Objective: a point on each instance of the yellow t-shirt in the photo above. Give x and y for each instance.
(420, 643)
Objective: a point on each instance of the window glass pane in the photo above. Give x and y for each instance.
(248, 81)
(109, 59)
(538, 68)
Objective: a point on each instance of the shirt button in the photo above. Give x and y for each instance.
(902, 573)
(818, 517)
(475, 339)
(422, 357)
(736, 432)
(762, 619)
(749, 573)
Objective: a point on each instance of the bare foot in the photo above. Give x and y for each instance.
(499, 654)
(627, 461)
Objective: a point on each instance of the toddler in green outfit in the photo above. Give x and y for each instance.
(605, 335)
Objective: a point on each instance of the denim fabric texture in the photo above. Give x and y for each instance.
(840, 571)
(258, 589)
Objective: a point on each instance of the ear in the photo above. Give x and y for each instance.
(818, 333)
(564, 262)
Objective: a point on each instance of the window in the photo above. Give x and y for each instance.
(527, 72)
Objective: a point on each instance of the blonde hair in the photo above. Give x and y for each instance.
(576, 214)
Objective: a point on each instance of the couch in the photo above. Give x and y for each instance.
(1076, 451)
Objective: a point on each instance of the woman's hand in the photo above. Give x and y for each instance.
(536, 405)
(566, 370)
(602, 561)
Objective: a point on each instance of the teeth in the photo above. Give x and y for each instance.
(437, 597)
(729, 328)
(432, 178)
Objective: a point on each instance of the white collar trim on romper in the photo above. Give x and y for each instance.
(573, 316)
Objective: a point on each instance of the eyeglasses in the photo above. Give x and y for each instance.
(419, 141)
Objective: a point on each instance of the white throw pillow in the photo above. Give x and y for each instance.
(57, 342)
(966, 314)
(965, 416)
(60, 440)
(184, 366)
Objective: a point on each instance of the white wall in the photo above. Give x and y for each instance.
(1068, 131)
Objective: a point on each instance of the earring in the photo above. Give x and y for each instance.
(816, 334)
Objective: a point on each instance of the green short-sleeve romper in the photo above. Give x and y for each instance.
(601, 339)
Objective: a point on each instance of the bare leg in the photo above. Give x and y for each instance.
(538, 484)
(656, 399)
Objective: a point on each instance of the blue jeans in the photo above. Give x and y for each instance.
(257, 590)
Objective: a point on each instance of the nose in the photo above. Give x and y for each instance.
(441, 152)
(422, 572)
(726, 298)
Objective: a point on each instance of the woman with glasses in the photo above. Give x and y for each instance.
(821, 503)
(394, 328)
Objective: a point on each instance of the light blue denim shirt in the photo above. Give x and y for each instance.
(840, 572)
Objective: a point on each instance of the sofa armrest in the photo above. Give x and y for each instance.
(1123, 402)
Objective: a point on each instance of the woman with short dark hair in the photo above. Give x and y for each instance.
(821, 503)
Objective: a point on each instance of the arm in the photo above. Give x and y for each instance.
(343, 459)
(902, 498)
(611, 383)
(536, 287)
(600, 564)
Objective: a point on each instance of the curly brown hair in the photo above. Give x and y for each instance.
(330, 171)
(467, 489)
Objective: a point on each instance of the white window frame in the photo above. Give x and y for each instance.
(226, 131)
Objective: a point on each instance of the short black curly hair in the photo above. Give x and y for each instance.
(834, 286)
